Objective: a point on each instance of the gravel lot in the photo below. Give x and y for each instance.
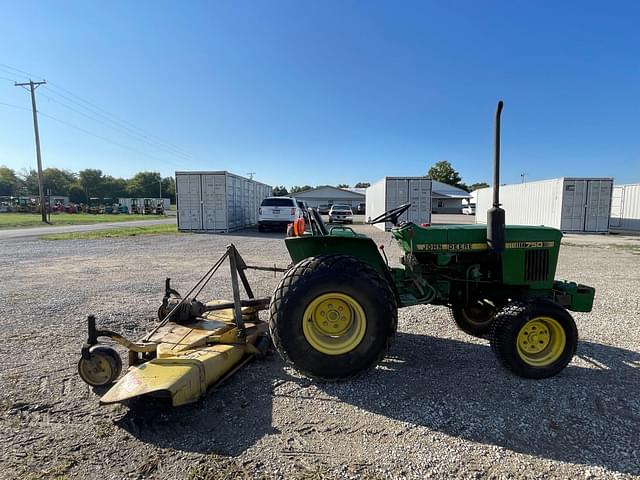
(438, 406)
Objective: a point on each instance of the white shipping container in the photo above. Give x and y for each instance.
(625, 207)
(568, 204)
(217, 201)
(391, 192)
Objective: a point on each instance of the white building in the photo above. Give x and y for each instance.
(625, 208)
(447, 198)
(327, 195)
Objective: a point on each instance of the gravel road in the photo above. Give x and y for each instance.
(15, 233)
(438, 406)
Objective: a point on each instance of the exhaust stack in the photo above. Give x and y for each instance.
(495, 215)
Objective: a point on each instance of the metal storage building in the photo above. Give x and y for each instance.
(390, 192)
(625, 207)
(328, 195)
(217, 201)
(568, 204)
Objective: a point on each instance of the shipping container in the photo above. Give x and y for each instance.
(391, 192)
(625, 207)
(568, 204)
(217, 201)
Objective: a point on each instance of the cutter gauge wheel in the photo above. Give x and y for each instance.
(102, 367)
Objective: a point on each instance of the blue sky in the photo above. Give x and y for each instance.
(327, 91)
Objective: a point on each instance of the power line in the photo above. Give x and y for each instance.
(118, 128)
(15, 106)
(96, 110)
(71, 125)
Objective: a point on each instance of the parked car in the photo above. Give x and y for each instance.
(340, 213)
(278, 212)
(361, 209)
(324, 209)
(469, 209)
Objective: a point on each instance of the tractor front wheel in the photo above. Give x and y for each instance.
(534, 339)
(474, 318)
(332, 317)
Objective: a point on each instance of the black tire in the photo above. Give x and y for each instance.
(102, 368)
(475, 318)
(309, 280)
(509, 322)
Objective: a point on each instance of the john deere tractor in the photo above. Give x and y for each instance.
(333, 314)
(335, 311)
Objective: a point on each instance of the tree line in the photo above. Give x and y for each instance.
(81, 186)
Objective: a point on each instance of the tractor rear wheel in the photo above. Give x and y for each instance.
(534, 339)
(474, 318)
(332, 317)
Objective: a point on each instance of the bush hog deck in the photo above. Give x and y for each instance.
(334, 312)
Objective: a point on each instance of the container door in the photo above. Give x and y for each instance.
(617, 198)
(574, 201)
(420, 198)
(213, 202)
(598, 205)
(189, 202)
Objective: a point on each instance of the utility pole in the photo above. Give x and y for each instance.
(32, 86)
(160, 182)
(251, 174)
(523, 174)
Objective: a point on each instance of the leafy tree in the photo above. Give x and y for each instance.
(92, 181)
(362, 185)
(58, 181)
(77, 194)
(297, 188)
(169, 188)
(145, 184)
(443, 172)
(9, 181)
(280, 191)
(343, 185)
(28, 182)
(115, 187)
(476, 186)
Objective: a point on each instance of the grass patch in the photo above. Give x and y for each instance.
(114, 233)
(21, 220)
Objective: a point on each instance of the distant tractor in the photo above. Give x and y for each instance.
(148, 206)
(136, 208)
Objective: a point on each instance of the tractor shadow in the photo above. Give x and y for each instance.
(229, 420)
(589, 414)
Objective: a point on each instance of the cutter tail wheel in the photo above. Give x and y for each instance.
(102, 368)
(475, 318)
(332, 317)
(534, 339)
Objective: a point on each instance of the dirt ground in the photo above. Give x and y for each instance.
(438, 406)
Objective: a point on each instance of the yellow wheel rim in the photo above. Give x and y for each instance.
(334, 323)
(97, 370)
(541, 341)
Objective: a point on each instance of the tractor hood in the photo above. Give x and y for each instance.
(461, 238)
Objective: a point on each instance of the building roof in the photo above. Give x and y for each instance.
(328, 188)
(443, 190)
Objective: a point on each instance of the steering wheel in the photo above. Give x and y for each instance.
(391, 215)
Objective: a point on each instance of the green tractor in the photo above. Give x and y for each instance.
(334, 313)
